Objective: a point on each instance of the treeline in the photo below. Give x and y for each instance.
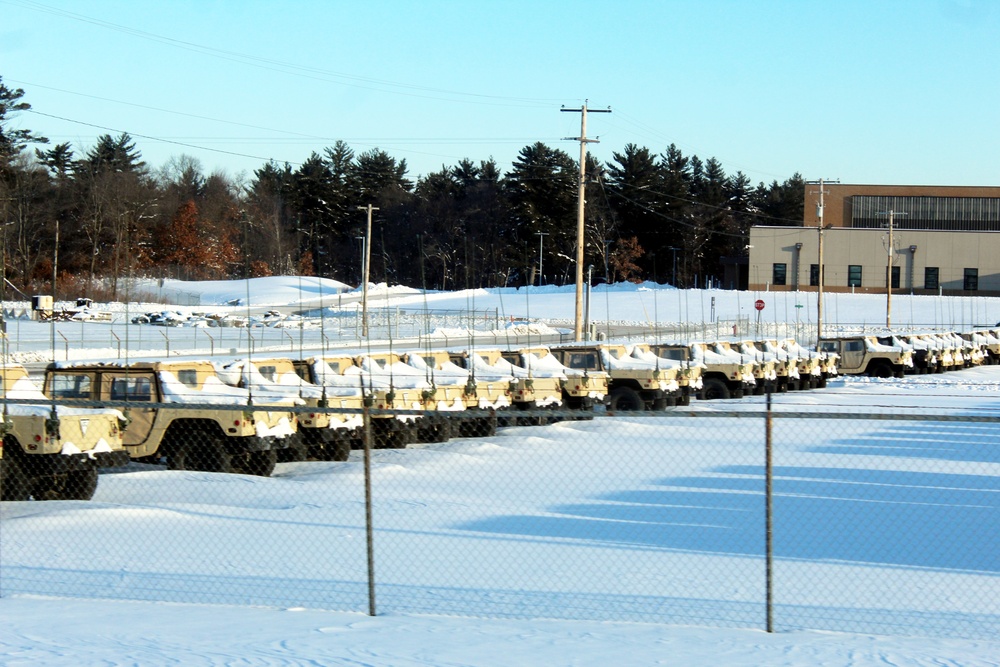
(88, 221)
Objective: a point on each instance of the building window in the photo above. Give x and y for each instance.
(814, 275)
(895, 277)
(971, 282)
(780, 273)
(854, 275)
(931, 277)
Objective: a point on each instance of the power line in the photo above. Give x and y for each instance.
(315, 73)
(151, 138)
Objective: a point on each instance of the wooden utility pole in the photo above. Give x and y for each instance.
(368, 261)
(819, 251)
(891, 252)
(578, 326)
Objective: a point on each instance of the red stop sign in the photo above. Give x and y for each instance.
(759, 304)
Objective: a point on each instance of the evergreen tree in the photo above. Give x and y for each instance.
(542, 190)
(13, 142)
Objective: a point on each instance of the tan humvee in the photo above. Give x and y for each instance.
(53, 452)
(182, 411)
(634, 382)
(582, 389)
(377, 393)
(324, 435)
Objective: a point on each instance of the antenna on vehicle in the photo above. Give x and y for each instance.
(322, 336)
(423, 287)
(246, 280)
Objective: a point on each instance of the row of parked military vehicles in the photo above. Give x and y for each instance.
(245, 415)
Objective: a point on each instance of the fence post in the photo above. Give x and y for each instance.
(768, 514)
(369, 541)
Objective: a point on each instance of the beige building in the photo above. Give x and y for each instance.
(943, 240)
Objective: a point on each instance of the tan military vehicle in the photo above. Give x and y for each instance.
(633, 383)
(418, 390)
(864, 355)
(582, 389)
(483, 396)
(323, 434)
(527, 389)
(51, 452)
(988, 341)
(340, 371)
(183, 412)
(815, 367)
(762, 367)
(689, 375)
(725, 375)
(786, 370)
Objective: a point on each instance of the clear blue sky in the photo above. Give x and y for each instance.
(900, 92)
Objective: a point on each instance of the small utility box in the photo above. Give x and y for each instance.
(41, 307)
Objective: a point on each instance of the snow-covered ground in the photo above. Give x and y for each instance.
(612, 541)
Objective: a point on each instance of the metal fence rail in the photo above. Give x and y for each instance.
(778, 519)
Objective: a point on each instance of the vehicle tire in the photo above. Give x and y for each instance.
(624, 399)
(339, 450)
(821, 383)
(13, 480)
(881, 371)
(684, 399)
(482, 427)
(301, 446)
(261, 464)
(738, 393)
(661, 404)
(80, 484)
(396, 436)
(208, 456)
(715, 389)
(437, 429)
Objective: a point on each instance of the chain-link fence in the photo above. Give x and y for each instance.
(875, 523)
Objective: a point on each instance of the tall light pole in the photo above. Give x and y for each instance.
(541, 273)
(368, 261)
(673, 279)
(890, 256)
(578, 326)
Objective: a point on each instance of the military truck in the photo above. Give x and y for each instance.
(482, 396)
(379, 393)
(690, 378)
(633, 383)
(417, 389)
(582, 389)
(182, 412)
(988, 341)
(322, 435)
(528, 390)
(926, 355)
(864, 355)
(972, 354)
(51, 452)
(761, 366)
(725, 375)
(786, 370)
(815, 367)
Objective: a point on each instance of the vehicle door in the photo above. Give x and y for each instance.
(852, 355)
(137, 390)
